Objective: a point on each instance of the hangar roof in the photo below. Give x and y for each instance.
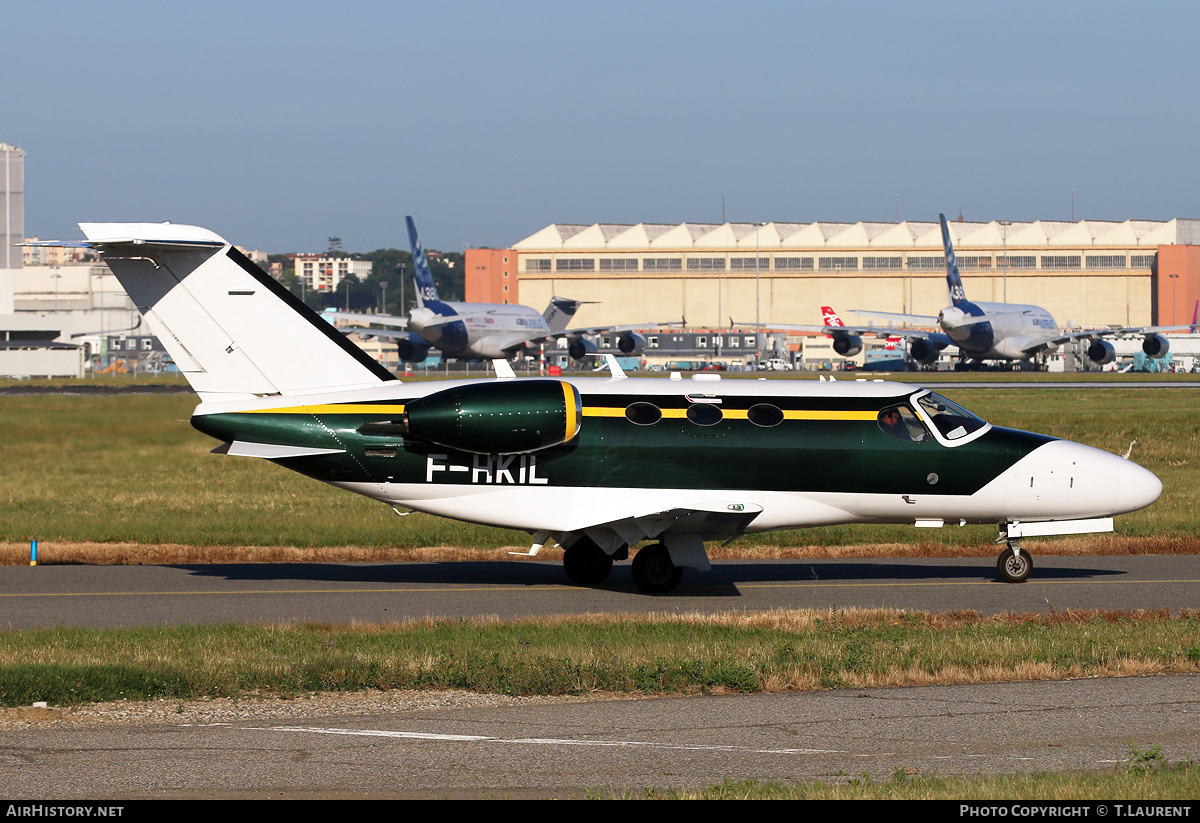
(649, 237)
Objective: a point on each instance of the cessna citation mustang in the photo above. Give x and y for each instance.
(598, 464)
(482, 330)
(983, 331)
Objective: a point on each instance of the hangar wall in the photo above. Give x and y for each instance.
(1086, 273)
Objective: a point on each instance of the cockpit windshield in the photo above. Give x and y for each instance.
(952, 420)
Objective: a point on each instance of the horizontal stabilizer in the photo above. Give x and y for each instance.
(269, 451)
(231, 328)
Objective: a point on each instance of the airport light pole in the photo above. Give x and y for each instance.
(757, 320)
(1005, 224)
(1174, 280)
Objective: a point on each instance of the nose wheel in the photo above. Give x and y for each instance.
(1014, 564)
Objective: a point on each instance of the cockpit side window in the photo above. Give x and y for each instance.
(952, 420)
(900, 422)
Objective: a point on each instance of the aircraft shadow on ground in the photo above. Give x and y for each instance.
(725, 578)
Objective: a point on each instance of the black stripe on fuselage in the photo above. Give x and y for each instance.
(325, 327)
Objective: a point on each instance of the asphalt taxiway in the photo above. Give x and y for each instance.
(111, 596)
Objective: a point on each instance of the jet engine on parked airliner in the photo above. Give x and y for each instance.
(847, 345)
(631, 343)
(1155, 345)
(580, 347)
(1101, 352)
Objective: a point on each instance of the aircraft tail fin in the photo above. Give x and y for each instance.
(953, 281)
(560, 311)
(426, 288)
(231, 328)
(830, 318)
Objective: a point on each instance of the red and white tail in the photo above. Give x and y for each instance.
(830, 318)
(892, 343)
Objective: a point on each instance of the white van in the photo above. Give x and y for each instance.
(775, 364)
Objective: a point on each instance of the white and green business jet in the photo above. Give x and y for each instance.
(598, 464)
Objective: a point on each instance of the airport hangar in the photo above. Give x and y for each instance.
(1088, 273)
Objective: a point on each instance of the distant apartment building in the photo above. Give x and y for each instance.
(12, 219)
(54, 255)
(324, 273)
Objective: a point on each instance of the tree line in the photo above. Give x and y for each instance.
(388, 289)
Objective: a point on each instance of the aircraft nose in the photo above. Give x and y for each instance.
(1137, 487)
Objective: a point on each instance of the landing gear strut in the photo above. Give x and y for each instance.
(1014, 564)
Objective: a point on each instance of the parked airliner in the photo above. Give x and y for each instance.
(483, 330)
(984, 331)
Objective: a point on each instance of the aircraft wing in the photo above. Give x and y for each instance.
(383, 334)
(381, 319)
(586, 330)
(877, 331)
(649, 521)
(926, 319)
(1096, 334)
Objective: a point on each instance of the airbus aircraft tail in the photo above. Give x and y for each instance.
(230, 327)
(560, 311)
(953, 281)
(426, 289)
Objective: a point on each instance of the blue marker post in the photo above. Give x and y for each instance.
(33, 552)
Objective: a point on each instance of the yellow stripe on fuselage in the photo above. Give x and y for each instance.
(740, 414)
(569, 404)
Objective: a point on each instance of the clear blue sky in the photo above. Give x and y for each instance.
(278, 124)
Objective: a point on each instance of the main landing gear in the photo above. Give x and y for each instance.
(654, 571)
(1014, 564)
(586, 564)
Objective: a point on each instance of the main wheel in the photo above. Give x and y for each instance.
(653, 570)
(586, 563)
(1014, 567)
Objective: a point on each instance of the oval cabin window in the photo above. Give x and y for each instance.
(765, 415)
(643, 414)
(705, 414)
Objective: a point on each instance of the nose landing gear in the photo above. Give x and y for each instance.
(1014, 565)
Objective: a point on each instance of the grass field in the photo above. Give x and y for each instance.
(128, 478)
(129, 469)
(777, 651)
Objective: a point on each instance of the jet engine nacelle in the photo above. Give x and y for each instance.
(1155, 345)
(412, 349)
(847, 345)
(1101, 352)
(509, 417)
(580, 347)
(631, 343)
(923, 350)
